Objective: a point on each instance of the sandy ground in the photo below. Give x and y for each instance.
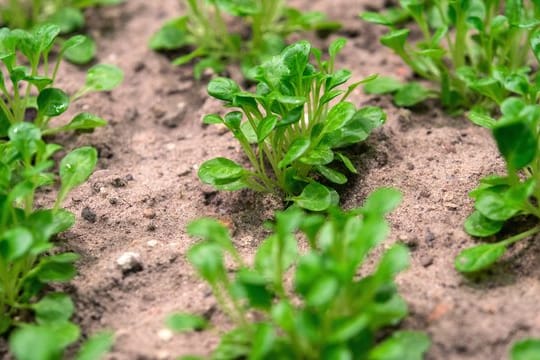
(146, 190)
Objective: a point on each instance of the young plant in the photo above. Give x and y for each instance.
(462, 44)
(292, 128)
(205, 29)
(27, 88)
(328, 311)
(499, 199)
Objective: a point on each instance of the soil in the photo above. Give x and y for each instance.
(146, 190)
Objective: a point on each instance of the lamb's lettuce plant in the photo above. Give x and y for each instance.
(205, 29)
(27, 81)
(527, 349)
(292, 128)
(463, 43)
(328, 311)
(499, 199)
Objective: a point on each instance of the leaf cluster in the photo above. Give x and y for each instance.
(328, 311)
(465, 45)
(291, 128)
(28, 74)
(206, 31)
(499, 199)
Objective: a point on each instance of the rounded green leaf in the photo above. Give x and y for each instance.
(339, 115)
(77, 166)
(479, 257)
(15, 243)
(528, 349)
(56, 268)
(411, 94)
(96, 346)
(314, 197)
(481, 226)
(516, 142)
(25, 137)
(207, 259)
(185, 322)
(402, 345)
(383, 200)
(103, 77)
(85, 121)
(220, 171)
(68, 19)
(55, 307)
(298, 147)
(493, 204)
(223, 89)
(52, 102)
(332, 175)
(383, 85)
(81, 53)
(265, 127)
(45, 341)
(172, 35)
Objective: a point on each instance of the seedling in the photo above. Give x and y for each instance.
(291, 128)
(329, 311)
(32, 87)
(462, 45)
(206, 31)
(501, 198)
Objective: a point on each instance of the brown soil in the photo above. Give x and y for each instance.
(146, 190)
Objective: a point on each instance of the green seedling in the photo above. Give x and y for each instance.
(462, 43)
(28, 76)
(528, 349)
(291, 128)
(66, 14)
(25, 14)
(328, 310)
(205, 30)
(501, 198)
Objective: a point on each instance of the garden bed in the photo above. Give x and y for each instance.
(146, 190)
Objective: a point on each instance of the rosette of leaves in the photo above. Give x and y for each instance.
(27, 79)
(328, 311)
(461, 44)
(28, 262)
(205, 30)
(499, 199)
(67, 14)
(292, 128)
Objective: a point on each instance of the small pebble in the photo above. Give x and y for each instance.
(165, 334)
(152, 243)
(88, 215)
(149, 213)
(129, 262)
(426, 260)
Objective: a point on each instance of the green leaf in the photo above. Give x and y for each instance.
(383, 85)
(25, 138)
(15, 243)
(314, 197)
(68, 19)
(76, 167)
(516, 142)
(493, 203)
(181, 322)
(44, 37)
(481, 119)
(96, 347)
(46, 341)
(172, 35)
(336, 46)
(265, 127)
(321, 155)
(527, 349)
(103, 77)
(223, 89)
(84, 121)
(298, 147)
(411, 94)
(395, 39)
(339, 115)
(331, 174)
(212, 119)
(72, 42)
(534, 41)
(402, 345)
(220, 171)
(207, 259)
(54, 308)
(382, 201)
(56, 268)
(81, 53)
(52, 102)
(481, 226)
(322, 291)
(479, 257)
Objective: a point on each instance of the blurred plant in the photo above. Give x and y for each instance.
(528, 349)
(329, 311)
(205, 30)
